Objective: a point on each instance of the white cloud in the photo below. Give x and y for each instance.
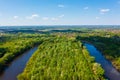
(33, 16)
(97, 17)
(45, 18)
(61, 16)
(15, 17)
(57, 18)
(61, 6)
(54, 19)
(103, 11)
(86, 8)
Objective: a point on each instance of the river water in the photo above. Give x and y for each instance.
(17, 66)
(110, 72)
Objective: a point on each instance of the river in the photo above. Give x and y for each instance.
(17, 66)
(110, 72)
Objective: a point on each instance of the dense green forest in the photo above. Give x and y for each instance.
(62, 58)
(107, 41)
(61, 53)
(13, 45)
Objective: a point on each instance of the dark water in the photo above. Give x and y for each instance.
(110, 72)
(17, 66)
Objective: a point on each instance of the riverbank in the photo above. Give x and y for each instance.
(110, 58)
(17, 65)
(9, 50)
(109, 47)
(62, 58)
(110, 72)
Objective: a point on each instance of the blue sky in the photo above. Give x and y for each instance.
(59, 12)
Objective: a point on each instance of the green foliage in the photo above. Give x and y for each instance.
(97, 69)
(12, 47)
(60, 58)
(108, 42)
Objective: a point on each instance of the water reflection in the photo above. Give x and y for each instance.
(110, 72)
(17, 66)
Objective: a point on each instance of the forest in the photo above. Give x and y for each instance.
(107, 41)
(61, 54)
(13, 45)
(61, 59)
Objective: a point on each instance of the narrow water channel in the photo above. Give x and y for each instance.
(17, 66)
(110, 72)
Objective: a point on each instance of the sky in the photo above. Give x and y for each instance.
(59, 12)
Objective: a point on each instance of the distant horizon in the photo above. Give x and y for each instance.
(56, 25)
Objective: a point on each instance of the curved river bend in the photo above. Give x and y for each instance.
(110, 72)
(17, 66)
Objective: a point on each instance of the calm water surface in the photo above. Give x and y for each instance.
(17, 66)
(110, 72)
